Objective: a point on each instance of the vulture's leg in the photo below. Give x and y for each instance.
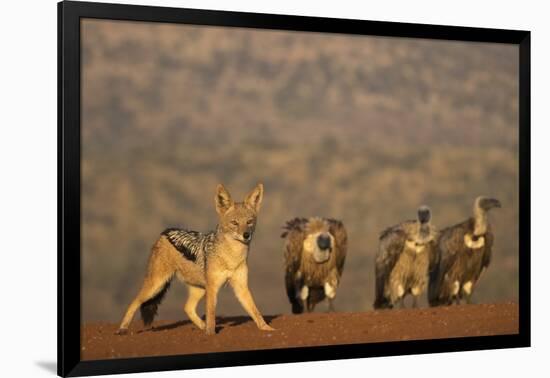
(397, 294)
(331, 305)
(467, 291)
(304, 294)
(310, 306)
(416, 291)
(455, 292)
(402, 302)
(330, 293)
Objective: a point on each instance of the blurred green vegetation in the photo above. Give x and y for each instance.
(364, 129)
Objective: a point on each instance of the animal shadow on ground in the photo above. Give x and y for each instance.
(222, 322)
(238, 320)
(166, 327)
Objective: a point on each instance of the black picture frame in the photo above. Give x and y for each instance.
(69, 185)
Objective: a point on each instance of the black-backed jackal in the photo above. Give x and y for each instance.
(204, 262)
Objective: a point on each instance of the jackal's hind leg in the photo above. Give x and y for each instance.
(195, 295)
(151, 287)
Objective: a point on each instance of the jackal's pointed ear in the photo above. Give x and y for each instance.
(222, 200)
(254, 198)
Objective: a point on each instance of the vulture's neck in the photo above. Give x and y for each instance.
(423, 230)
(480, 221)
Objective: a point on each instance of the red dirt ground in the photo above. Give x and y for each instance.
(240, 333)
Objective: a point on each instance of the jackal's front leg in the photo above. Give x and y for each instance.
(239, 282)
(213, 284)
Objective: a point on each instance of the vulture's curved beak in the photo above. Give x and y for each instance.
(490, 203)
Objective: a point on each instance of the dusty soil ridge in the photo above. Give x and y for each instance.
(240, 333)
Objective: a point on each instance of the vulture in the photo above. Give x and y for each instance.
(314, 255)
(463, 252)
(405, 254)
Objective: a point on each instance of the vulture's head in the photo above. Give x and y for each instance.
(424, 214)
(425, 232)
(486, 203)
(318, 241)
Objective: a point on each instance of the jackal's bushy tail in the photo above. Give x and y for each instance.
(149, 308)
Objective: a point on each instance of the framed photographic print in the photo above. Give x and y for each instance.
(240, 188)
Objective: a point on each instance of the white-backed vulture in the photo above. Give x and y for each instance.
(314, 254)
(405, 253)
(463, 252)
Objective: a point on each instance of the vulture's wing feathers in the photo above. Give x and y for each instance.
(433, 251)
(294, 234)
(450, 243)
(295, 224)
(340, 235)
(450, 238)
(432, 254)
(489, 239)
(392, 241)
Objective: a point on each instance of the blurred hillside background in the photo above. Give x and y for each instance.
(364, 129)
